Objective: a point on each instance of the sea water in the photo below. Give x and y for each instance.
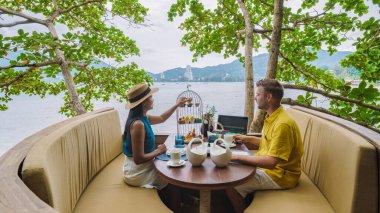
(29, 114)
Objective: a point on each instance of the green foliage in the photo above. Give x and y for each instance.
(105, 83)
(367, 56)
(307, 99)
(306, 31)
(91, 37)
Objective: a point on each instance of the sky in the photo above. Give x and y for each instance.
(159, 44)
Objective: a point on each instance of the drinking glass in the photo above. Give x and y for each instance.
(179, 141)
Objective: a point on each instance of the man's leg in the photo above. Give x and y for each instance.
(261, 181)
(237, 201)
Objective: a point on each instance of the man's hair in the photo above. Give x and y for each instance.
(273, 87)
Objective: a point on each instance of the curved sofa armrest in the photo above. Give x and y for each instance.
(15, 195)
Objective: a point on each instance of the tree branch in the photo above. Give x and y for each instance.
(16, 23)
(58, 11)
(299, 69)
(55, 4)
(304, 73)
(17, 13)
(76, 64)
(326, 94)
(239, 37)
(372, 39)
(84, 68)
(89, 28)
(42, 64)
(18, 77)
(131, 22)
(264, 31)
(267, 4)
(304, 20)
(292, 102)
(79, 5)
(55, 13)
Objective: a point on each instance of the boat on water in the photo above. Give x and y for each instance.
(76, 166)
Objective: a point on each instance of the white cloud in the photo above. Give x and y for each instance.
(159, 44)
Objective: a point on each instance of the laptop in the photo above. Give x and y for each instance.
(234, 124)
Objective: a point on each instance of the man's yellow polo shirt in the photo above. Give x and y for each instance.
(282, 139)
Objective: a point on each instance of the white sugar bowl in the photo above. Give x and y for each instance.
(196, 155)
(219, 155)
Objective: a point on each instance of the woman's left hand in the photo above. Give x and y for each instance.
(161, 148)
(182, 100)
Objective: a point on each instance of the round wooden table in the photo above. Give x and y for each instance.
(206, 177)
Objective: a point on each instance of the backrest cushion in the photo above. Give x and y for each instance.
(301, 119)
(341, 164)
(59, 167)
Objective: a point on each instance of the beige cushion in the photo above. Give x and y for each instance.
(341, 163)
(301, 119)
(60, 166)
(343, 166)
(108, 193)
(304, 198)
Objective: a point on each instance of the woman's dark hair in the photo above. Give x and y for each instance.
(135, 112)
(273, 87)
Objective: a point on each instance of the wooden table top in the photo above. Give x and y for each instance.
(207, 176)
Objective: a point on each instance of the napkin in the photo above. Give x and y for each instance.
(241, 152)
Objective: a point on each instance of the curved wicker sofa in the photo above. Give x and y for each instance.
(73, 166)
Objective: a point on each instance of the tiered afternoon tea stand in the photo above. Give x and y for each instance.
(189, 116)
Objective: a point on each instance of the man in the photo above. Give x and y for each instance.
(278, 159)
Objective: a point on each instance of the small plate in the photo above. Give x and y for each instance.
(231, 146)
(181, 163)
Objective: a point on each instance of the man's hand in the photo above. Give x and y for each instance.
(238, 138)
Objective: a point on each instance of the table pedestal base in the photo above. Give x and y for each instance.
(204, 201)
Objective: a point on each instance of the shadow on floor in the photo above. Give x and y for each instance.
(189, 200)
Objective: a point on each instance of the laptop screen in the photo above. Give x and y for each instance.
(236, 124)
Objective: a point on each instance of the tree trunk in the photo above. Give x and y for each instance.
(258, 123)
(275, 39)
(69, 82)
(249, 91)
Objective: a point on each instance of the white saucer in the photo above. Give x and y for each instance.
(231, 146)
(181, 163)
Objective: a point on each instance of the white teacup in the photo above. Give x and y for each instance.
(175, 156)
(229, 138)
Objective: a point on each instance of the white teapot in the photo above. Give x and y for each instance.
(219, 155)
(196, 155)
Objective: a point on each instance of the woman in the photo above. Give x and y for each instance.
(139, 140)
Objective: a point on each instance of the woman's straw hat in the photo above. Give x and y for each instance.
(138, 94)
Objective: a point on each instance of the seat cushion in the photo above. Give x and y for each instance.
(107, 192)
(305, 197)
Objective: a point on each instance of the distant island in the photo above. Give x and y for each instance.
(234, 71)
(230, 72)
